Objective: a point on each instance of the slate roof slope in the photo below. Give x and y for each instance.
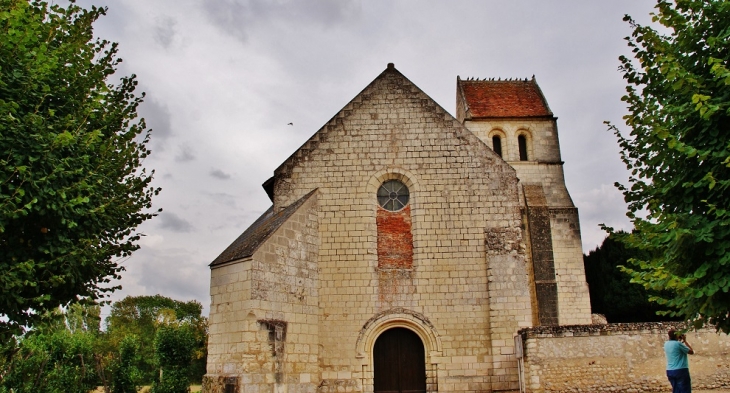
(258, 232)
(503, 98)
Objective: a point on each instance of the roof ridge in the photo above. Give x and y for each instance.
(498, 79)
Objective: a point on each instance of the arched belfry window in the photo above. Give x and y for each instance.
(522, 144)
(497, 144)
(393, 195)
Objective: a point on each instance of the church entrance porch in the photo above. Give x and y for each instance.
(399, 362)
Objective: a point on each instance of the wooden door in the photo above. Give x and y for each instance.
(399, 362)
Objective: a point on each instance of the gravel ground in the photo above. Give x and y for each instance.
(712, 391)
(668, 391)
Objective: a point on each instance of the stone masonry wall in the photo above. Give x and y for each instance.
(542, 137)
(264, 313)
(544, 164)
(544, 167)
(617, 358)
(543, 258)
(474, 303)
(550, 176)
(573, 299)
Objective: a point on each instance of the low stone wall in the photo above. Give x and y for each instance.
(615, 358)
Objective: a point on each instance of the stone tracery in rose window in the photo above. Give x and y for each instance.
(393, 195)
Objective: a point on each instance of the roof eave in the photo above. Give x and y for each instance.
(545, 117)
(215, 265)
(542, 96)
(462, 96)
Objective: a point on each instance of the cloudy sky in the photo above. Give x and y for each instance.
(225, 77)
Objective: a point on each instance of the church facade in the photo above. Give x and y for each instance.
(403, 250)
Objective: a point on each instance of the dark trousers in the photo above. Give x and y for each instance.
(680, 380)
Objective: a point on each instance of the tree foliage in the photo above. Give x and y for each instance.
(68, 352)
(72, 186)
(611, 290)
(678, 152)
(126, 377)
(144, 316)
(174, 347)
(54, 361)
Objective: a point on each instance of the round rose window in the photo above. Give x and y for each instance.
(393, 195)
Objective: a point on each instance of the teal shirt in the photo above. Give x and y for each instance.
(676, 355)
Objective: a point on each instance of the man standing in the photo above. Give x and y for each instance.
(676, 350)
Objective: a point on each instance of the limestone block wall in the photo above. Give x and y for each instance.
(574, 300)
(550, 176)
(616, 358)
(458, 189)
(264, 316)
(542, 137)
(542, 257)
(544, 164)
(507, 264)
(544, 168)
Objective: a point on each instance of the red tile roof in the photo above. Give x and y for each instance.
(504, 98)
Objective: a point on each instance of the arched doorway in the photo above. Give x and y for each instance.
(399, 362)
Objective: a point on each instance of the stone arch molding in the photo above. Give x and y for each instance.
(497, 132)
(524, 132)
(393, 173)
(383, 175)
(397, 317)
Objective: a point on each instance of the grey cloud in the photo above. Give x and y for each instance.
(239, 17)
(184, 284)
(325, 13)
(223, 198)
(231, 17)
(174, 222)
(219, 174)
(185, 154)
(602, 204)
(233, 225)
(157, 117)
(165, 31)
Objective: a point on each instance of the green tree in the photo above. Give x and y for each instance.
(72, 185)
(57, 361)
(174, 348)
(678, 152)
(143, 316)
(611, 290)
(65, 352)
(125, 375)
(86, 318)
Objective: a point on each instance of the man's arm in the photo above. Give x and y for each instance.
(684, 341)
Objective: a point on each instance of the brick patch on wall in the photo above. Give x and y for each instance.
(395, 239)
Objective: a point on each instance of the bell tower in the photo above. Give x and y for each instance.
(512, 117)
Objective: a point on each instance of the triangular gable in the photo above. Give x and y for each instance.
(256, 234)
(310, 145)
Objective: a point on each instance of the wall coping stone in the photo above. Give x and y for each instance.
(601, 330)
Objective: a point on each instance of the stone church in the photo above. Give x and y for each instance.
(404, 249)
